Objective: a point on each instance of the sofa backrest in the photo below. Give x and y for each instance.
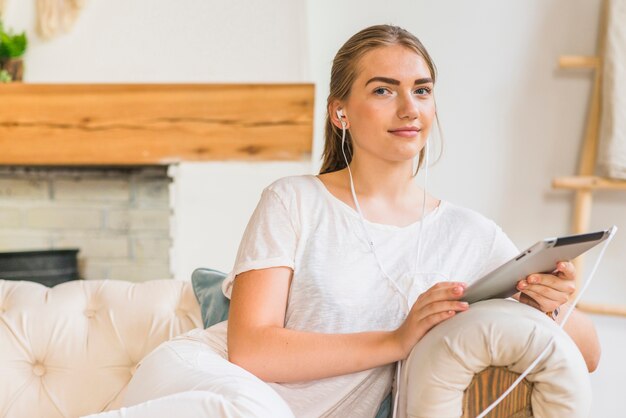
(71, 350)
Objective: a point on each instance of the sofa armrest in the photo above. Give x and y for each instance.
(499, 333)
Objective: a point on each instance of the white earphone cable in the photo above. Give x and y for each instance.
(358, 208)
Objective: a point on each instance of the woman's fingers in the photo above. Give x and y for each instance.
(432, 307)
(566, 270)
(537, 282)
(437, 303)
(543, 303)
(556, 293)
(549, 293)
(430, 321)
(549, 290)
(439, 292)
(548, 284)
(438, 312)
(443, 306)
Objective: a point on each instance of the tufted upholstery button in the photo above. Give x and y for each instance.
(133, 369)
(90, 313)
(39, 369)
(2, 310)
(181, 312)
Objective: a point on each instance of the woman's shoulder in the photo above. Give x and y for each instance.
(297, 195)
(293, 186)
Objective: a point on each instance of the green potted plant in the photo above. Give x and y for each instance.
(12, 48)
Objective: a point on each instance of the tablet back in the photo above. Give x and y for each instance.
(540, 258)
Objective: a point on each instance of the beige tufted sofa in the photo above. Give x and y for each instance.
(71, 350)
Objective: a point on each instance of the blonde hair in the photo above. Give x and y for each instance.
(345, 71)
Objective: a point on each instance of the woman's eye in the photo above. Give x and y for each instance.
(423, 90)
(381, 91)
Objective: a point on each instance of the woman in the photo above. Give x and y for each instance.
(339, 275)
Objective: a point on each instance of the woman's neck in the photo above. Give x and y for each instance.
(376, 178)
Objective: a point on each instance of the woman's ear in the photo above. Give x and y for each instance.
(338, 115)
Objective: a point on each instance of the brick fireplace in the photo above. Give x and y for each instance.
(119, 218)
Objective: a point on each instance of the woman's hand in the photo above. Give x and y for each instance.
(437, 304)
(547, 292)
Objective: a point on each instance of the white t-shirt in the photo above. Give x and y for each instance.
(337, 285)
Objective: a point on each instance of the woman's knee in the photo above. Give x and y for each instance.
(210, 381)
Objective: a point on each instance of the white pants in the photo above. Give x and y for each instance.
(178, 379)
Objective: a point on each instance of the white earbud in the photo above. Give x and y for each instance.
(341, 116)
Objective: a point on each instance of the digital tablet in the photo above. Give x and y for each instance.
(540, 258)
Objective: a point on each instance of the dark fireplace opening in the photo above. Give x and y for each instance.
(48, 267)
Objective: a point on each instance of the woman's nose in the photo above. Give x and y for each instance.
(408, 108)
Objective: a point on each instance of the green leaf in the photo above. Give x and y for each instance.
(5, 77)
(12, 46)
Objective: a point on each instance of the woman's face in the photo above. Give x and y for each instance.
(391, 104)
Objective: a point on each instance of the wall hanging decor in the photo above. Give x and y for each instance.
(56, 16)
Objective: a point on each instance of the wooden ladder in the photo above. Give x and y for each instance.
(586, 182)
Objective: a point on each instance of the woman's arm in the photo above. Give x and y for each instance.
(258, 341)
(583, 332)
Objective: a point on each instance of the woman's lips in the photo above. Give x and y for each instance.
(405, 133)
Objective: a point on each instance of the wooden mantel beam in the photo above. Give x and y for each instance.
(146, 124)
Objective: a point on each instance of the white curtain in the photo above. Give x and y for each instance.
(612, 147)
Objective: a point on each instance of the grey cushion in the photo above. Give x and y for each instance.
(207, 286)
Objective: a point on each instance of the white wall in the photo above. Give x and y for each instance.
(170, 41)
(512, 119)
(211, 213)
